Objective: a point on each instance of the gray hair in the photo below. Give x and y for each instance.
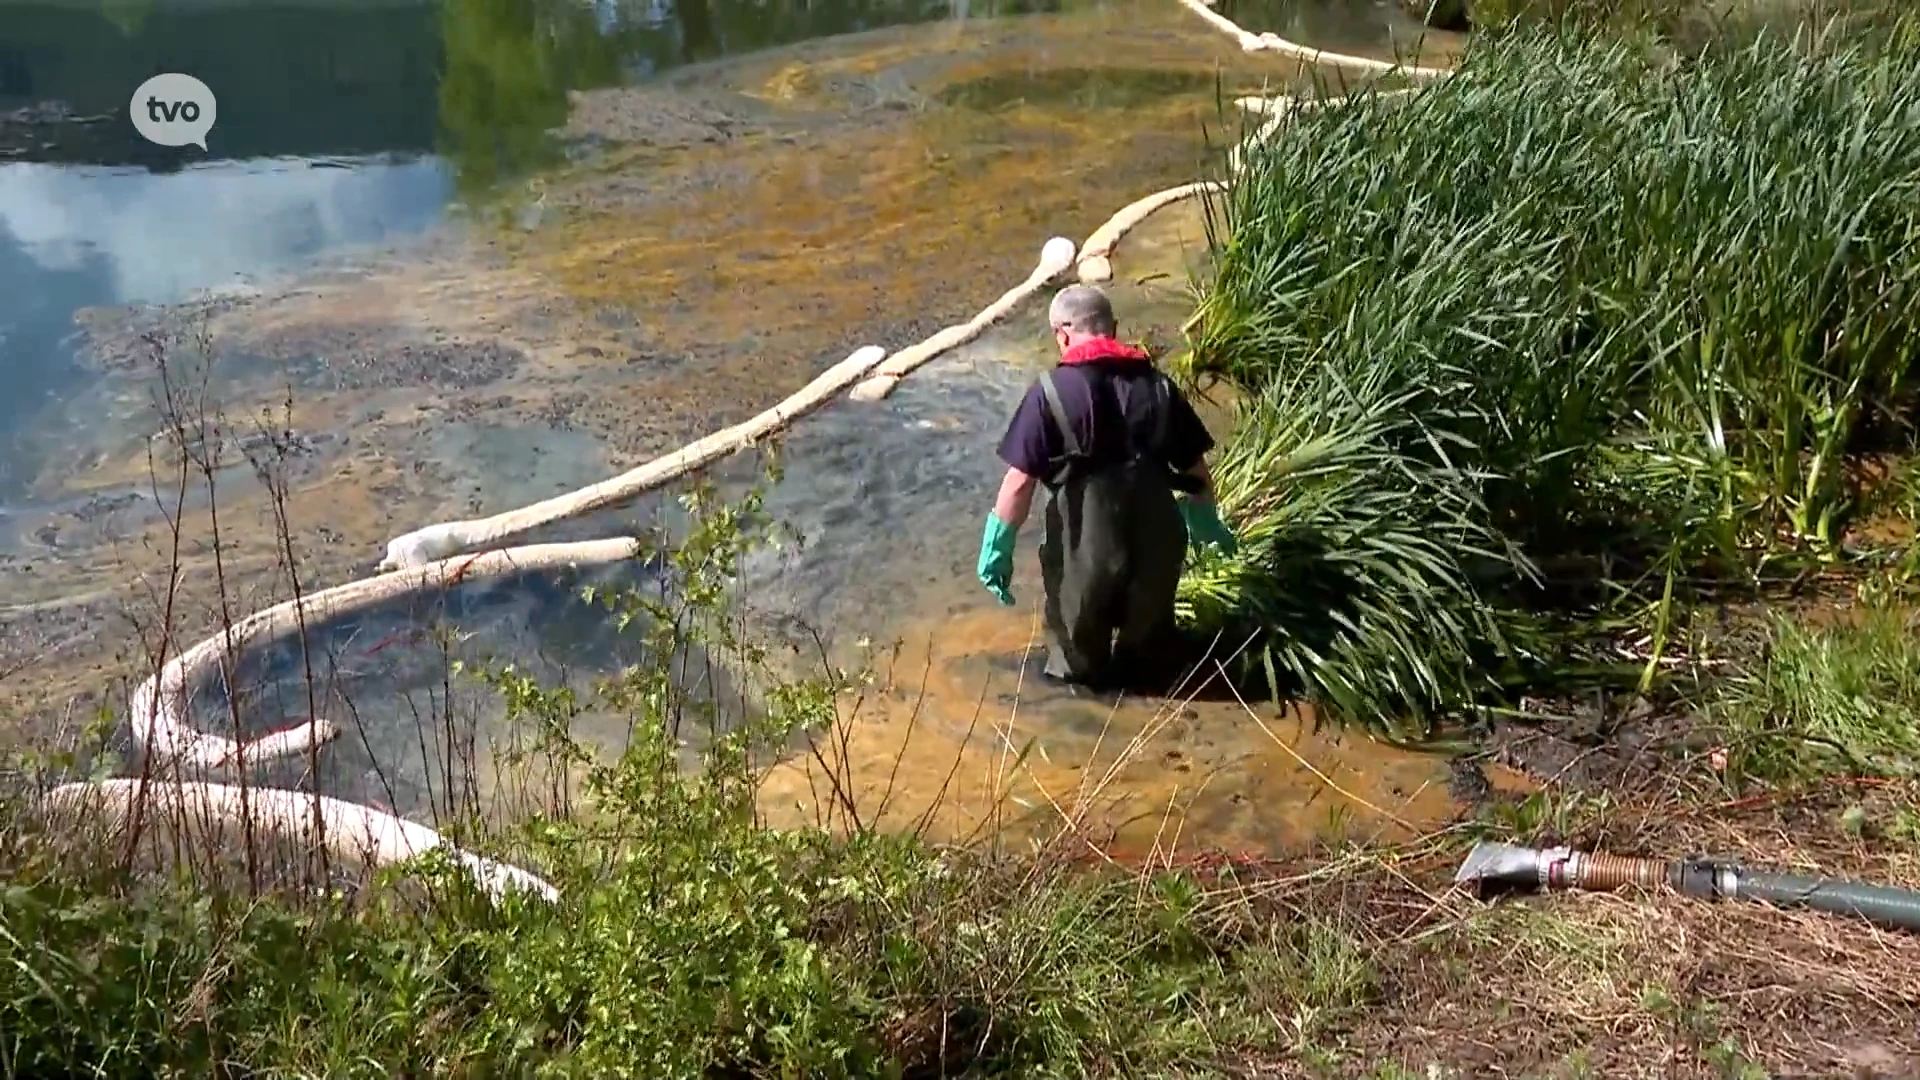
(1082, 310)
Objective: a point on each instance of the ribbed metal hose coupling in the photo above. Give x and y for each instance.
(1590, 870)
(1564, 868)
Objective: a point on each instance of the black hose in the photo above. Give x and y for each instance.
(1880, 903)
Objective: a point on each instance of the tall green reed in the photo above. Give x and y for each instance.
(1626, 311)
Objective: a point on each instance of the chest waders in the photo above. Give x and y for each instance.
(1113, 547)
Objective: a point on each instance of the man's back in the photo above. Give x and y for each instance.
(1116, 407)
(1111, 438)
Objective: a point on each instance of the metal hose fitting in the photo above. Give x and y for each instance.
(1703, 879)
(1559, 868)
(1607, 872)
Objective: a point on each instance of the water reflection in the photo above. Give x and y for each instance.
(481, 81)
(155, 237)
(508, 67)
(311, 79)
(36, 312)
(404, 104)
(71, 237)
(509, 64)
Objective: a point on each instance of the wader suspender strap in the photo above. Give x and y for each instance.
(1058, 411)
(1162, 405)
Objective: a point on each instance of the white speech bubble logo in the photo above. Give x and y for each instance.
(173, 110)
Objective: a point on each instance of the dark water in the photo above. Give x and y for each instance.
(416, 736)
(341, 124)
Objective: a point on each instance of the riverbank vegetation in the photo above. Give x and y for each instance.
(1679, 27)
(690, 939)
(1558, 349)
(1578, 377)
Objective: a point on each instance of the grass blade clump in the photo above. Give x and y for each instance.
(1574, 308)
(1839, 699)
(1365, 553)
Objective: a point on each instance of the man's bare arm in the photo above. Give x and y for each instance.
(1015, 499)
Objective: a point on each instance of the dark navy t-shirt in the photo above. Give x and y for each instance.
(1107, 426)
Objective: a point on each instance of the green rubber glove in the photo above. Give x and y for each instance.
(996, 557)
(1205, 527)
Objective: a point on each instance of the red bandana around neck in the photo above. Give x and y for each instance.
(1097, 349)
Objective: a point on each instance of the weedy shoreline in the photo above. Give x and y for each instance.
(1573, 387)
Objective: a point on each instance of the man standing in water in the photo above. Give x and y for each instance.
(1112, 439)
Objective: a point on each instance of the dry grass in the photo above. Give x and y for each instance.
(1585, 984)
